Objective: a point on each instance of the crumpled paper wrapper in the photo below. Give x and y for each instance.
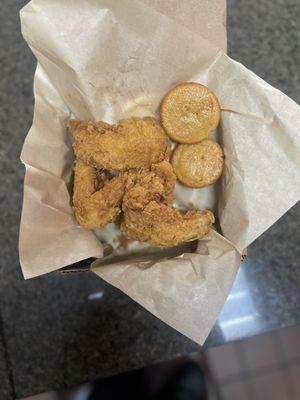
(107, 60)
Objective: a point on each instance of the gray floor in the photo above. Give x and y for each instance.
(50, 335)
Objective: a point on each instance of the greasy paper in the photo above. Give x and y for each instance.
(107, 60)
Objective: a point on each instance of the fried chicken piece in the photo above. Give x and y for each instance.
(96, 200)
(148, 213)
(164, 226)
(133, 143)
(145, 186)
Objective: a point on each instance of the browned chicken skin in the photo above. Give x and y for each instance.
(96, 200)
(142, 192)
(133, 143)
(164, 226)
(149, 216)
(145, 186)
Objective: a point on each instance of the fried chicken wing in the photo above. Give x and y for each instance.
(145, 186)
(133, 143)
(96, 200)
(148, 213)
(164, 226)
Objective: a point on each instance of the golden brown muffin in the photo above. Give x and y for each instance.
(189, 112)
(198, 165)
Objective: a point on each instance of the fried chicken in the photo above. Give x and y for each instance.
(96, 200)
(148, 213)
(144, 195)
(133, 143)
(145, 186)
(164, 226)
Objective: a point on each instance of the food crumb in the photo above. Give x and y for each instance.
(122, 242)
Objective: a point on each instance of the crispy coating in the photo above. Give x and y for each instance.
(143, 190)
(133, 143)
(189, 112)
(164, 226)
(198, 165)
(145, 186)
(148, 213)
(96, 200)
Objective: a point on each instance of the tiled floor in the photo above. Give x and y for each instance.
(264, 367)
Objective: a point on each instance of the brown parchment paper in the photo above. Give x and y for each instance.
(106, 60)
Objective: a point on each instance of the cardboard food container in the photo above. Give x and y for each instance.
(108, 60)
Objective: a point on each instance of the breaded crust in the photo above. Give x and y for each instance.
(189, 112)
(133, 143)
(198, 165)
(162, 225)
(96, 200)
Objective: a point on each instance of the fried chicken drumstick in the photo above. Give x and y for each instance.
(133, 143)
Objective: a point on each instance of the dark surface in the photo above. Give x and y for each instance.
(6, 383)
(55, 335)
